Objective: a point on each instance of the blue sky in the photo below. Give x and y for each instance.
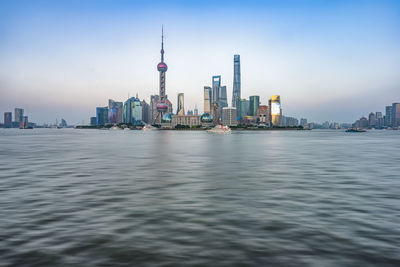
(329, 60)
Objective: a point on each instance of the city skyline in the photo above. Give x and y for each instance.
(55, 86)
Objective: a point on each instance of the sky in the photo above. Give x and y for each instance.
(328, 60)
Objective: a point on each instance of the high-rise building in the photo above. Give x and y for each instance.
(162, 106)
(180, 107)
(379, 120)
(236, 79)
(396, 114)
(290, 121)
(195, 111)
(363, 122)
(145, 112)
(371, 120)
(388, 116)
(216, 84)
(7, 119)
(63, 123)
(207, 99)
(133, 111)
(276, 110)
(101, 115)
(154, 99)
(229, 116)
(93, 121)
(18, 115)
(223, 101)
(263, 115)
(253, 106)
(115, 111)
(303, 122)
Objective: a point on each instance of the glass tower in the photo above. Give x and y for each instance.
(254, 103)
(180, 109)
(236, 79)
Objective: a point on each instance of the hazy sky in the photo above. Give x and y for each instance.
(329, 60)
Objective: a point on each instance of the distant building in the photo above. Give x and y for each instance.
(195, 111)
(63, 123)
(145, 112)
(379, 120)
(207, 99)
(303, 122)
(223, 101)
(396, 114)
(290, 121)
(253, 106)
(236, 80)
(25, 122)
(18, 115)
(186, 120)
(190, 112)
(229, 116)
(388, 116)
(115, 111)
(180, 106)
(263, 114)
(154, 99)
(276, 110)
(133, 111)
(101, 115)
(371, 120)
(7, 119)
(93, 121)
(216, 84)
(363, 123)
(250, 120)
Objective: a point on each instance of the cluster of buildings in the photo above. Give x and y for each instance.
(377, 120)
(20, 121)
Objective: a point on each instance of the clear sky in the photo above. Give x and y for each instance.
(329, 60)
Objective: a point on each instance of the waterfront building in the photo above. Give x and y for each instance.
(93, 121)
(388, 116)
(18, 115)
(263, 114)
(379, 120)
(63, 123)
(154, 99)
(371, 120)
(290, 121)
(207, 99)
(133, 112)
(250, 120)
(396, 114)
(216, 84)
(162, 106)
(236, 80)
(180, 106)
(241, 109)
(223, 101)
(195, 111)
(101, 115)
(186, 120)
(229, 116)
(190, 112)
(253, 105)
(276, 110)
(115, 111)
(145, 112)
(303, 122)
(363, 122)
(7, 119)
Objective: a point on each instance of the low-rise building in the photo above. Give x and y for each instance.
(187, 120)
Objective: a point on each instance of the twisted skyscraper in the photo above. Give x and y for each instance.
(236, 79)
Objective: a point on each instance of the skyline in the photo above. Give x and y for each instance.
(322, 70)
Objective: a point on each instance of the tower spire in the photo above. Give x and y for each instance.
(162, 43)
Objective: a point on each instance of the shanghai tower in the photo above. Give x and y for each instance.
(236, 79)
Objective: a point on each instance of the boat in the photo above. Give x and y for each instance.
(355, 130)
(220, 129)
(148, 127)
(115, 128)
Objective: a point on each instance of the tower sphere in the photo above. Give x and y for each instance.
(162, 107)
(162, 67)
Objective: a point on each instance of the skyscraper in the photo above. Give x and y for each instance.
(216, 84)
(162, 106)
(379, 120)
(223, 101)
(229, 116)
(207, 99)
(101, 115)
(115, 111)
(18, 115)
(145, 112)
(371, 120)
(388, 116)
(154, 99)
(133, 111)
(180, 107)
(254, 103)
(276, 111)
(396, 114)
(7, 119)
(236, 79)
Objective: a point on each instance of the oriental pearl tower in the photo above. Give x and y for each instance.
(162, 106)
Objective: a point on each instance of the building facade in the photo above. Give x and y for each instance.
(216, 84)
(276, 110)
(229, 116)
(18, 115)
(207, 99)
(101, 115)
(115, 111)
(253, 105)
(133, 111)
(263, 114)
(180, 106)
(388, 116)
(223, 101)
(236, 80)
(186, 120)
(396, 114)
(371, 120)
(7, 119)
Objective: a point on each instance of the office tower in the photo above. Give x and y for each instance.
(180, 107)
(396, 114)
(196, 111)
(276, 111)
(93, 121)
(303, 122)
(363, 122)
(25, 121)
(236, 79)
(18, 115)
(133, 111)
(216, 113)
(101, 115)
(263, 114)
(7, 119)
(115, 111)
(379, 120)
(290, 121)
(216, 84)
(388, 116)
(253, 105)
(63, 123)
(162, 106)
(145, 112)
(154, 99)
(207, 99)
(242, 108)
(223, 100)
(371, 120)
(229, 116)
